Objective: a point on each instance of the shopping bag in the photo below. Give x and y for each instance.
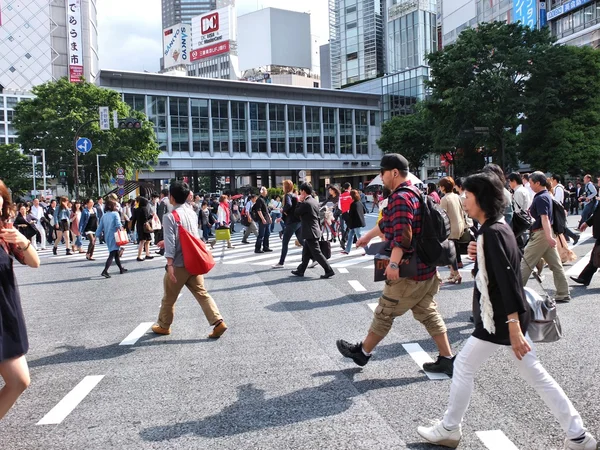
(223, 234)
(197, 260)
(156, 225)
(121, 237)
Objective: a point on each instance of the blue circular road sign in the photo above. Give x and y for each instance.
(84, 145)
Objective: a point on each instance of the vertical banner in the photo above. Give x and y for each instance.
(74, 40)
(543, 17)
(104, 118)
(525, 11)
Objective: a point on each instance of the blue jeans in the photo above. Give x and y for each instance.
(588, 209)
(78, 241)
(205, 232)
(288, 232)
(274, 216)
(353, 232)
(264, 231)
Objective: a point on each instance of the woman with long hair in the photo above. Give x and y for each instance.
(13, 333)
(292, 222)
(452, 204)
(502, 317)
(24, 223)
(87, 226)
(141, 216)
(62, 214)
(223, 219)
(109, 225)
(75, 221)
(356, 220)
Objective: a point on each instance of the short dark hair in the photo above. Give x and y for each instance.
(459, 182)
(346, 186)
(180, 191)
(497, 170)
(525, 176)
(431, 188)
(111, 205)
(165, 192)
(204, 203)
(306, 187)
(556, 177)
(155, 195)
(538, 177)
(516, 177)
(489, 193)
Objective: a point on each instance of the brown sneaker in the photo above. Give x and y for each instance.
(218, 330)
(160, 330)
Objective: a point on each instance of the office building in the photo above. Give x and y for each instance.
(356, 37)
(182, 11)
(325, 54)
(575, 22)
(8, 101)
(250, 133)
(44, 40)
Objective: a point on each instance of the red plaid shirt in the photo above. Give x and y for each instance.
(400, 221)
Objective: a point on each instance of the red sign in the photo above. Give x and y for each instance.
(210, 23)
(212, 50)
(75, 74)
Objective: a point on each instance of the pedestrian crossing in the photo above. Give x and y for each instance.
(100, 253)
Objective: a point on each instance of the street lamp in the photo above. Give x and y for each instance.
(98, 167)
(33, 163)
(43, 165)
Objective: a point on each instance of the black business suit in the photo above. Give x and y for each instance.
(590, 269)
(308, 212)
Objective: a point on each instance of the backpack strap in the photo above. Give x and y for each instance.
(176, 217)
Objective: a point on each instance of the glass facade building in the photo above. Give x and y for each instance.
(356, 34)
(577, 26)
(8, 134)
(182, 11)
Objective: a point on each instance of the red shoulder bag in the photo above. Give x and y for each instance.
(196, 258)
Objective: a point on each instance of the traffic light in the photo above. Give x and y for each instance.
(129, 124)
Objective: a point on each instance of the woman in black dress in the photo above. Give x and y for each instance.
(13, 334)
(142, 215)
(501, 314)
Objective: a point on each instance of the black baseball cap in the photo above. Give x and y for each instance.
(394, 161)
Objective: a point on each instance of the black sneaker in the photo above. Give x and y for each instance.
(353, 351)
(442, 365)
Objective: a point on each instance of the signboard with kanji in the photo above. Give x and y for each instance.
(74, 40)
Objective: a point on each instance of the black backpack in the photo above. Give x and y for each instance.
(559, 217)
(432, 242)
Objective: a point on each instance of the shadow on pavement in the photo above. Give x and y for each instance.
(305, 305)
(253, 411)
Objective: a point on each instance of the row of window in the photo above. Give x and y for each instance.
(577, 20)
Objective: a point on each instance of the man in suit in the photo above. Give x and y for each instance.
(308, 211)
(585, 277)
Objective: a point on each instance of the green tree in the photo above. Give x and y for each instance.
(15, 169)
(408, 135)
(51, 119)
(478, 87)
(562, 125)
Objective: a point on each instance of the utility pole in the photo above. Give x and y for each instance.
(98, 168)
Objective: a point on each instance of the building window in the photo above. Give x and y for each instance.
(329, 130)
(313, 130)
(277, 124)
(180, 124)
(346, 131)
(136, 102)
(220, 119)
(158, 116)
(238, 126)
(258, 124)
(362, 132)
(11, 102)
(296, 127)
(200, 125)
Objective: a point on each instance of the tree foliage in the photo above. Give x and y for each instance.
(15, 169)
(408, 135)
(51, 119)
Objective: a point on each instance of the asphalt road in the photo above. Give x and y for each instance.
(275, 379)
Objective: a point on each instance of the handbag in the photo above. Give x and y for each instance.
(521, 222)
(148, 227)
(223, 234)
(325, 247)
(197, 260)
(545, 325)
(566, 254)
(121, 237)
(465, 237)
(156, 225)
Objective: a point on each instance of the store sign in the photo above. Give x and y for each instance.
(525, 11)
(213, 28)
(213, 50)
(408, 6)
(176, 44)
(74, 40)
(566, 7)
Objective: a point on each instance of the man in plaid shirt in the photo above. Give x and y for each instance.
(416, 288)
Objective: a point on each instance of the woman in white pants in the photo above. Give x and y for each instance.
(501, 316)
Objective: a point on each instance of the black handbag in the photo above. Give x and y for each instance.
(325, 248)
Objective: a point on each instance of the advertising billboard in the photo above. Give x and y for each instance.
(74, 40)
(212, 32)
(525, 11)
(176, 45)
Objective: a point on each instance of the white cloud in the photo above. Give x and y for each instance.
(130, 30)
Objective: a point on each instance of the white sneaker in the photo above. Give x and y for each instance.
(588, 443)
(437, 434)
(277, 266)
(313, 265)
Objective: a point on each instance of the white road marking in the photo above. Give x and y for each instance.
(373, 306)
(495, 440)
(134, 336)
(419, 355)
(579, 265)
(357, 286)
(343, 270)
(57, 414)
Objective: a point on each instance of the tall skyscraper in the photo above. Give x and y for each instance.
(356, 33)
(44, 40)
(182, 11)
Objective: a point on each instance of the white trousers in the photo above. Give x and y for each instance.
(42, 231)
(475, 353)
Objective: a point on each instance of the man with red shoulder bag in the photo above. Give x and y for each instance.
(177, 275)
